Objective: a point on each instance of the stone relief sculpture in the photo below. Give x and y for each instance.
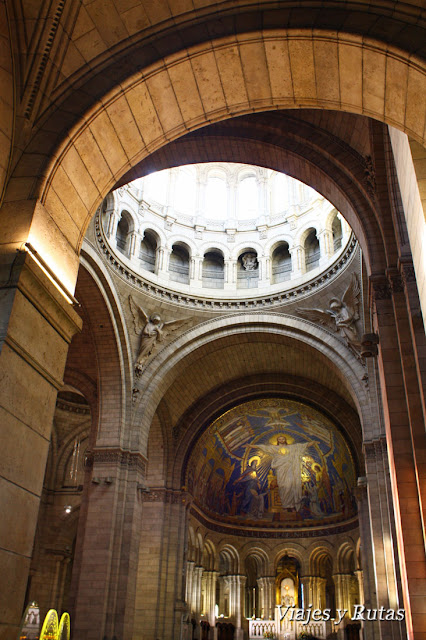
(249, 261)
(151, 330)
(341, 316)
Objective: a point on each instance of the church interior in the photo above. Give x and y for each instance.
(213, 291)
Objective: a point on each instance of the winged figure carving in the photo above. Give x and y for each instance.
(151, 330)
(341, 315)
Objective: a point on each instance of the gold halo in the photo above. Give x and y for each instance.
(250, 460)
(274, 439)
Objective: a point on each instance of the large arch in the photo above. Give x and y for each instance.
(256, 72)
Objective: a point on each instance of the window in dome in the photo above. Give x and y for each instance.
(179, 264)
(213, 270)
(185, 190)
(122, 233)
(281, 264)
(216, 199)
(156, 186)
(147, 251)
(312, 250)
(247, 198)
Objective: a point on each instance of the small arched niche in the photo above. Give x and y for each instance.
(122, 235)
(281, 263)
(312, 250)
(148, 251)
(213, 273)
(247, 270)
(179, 263)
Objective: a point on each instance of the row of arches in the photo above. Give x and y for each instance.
(227, 583)
(282, 261)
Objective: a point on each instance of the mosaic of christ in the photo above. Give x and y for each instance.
(273, 460)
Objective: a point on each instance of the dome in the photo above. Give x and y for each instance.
(224, 231)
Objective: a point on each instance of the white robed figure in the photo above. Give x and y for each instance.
(286, 462)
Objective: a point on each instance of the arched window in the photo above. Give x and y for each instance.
(147, 251)
(312, 250)
(337, 233)
(216, 198)
(213, 270)
(247, 198)
(185, 190)
(156, 185)
(122, 234)
(281, 264)
(179, 264)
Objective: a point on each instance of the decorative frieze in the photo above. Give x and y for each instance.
(116, 456)
(163, 294)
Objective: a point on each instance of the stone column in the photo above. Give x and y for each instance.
(267, 596)
(402, 378)
(160, 588)
(230, 274)
(37, 323)
(111, 230)
(196, 271)
(318, 592)
(190, 565)
(162, 262)
(360, 577)
(198, 576)
(134, 244)
(211, 577)
(240, 583)
(264, 269)
(298, 264)
(326, 246)
(307, 583)
(105, 579)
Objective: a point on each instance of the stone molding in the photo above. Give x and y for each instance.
(116, 456)
(167, 496)
(280, 532)
(72, 408)
(374, 449)
(213, 304)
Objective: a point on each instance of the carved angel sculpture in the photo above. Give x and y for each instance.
(151, 330)
(341, 316)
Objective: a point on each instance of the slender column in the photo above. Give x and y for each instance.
(230, 274)
(188, 587)
(307, 584)
(195, 271)
(163, 257)
(297, 261)
(264, 268)
(113, 220)
(134, 244)
(198, 575)
(267, 596)
(210, 591)
(326, 246)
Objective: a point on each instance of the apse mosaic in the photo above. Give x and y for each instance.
(272, 460)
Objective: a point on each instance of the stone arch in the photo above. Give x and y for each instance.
(363, 77)
(346, 558)
(321, 551)
(261, 558)
(292, 550)
(166, 366)
(230, 557)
